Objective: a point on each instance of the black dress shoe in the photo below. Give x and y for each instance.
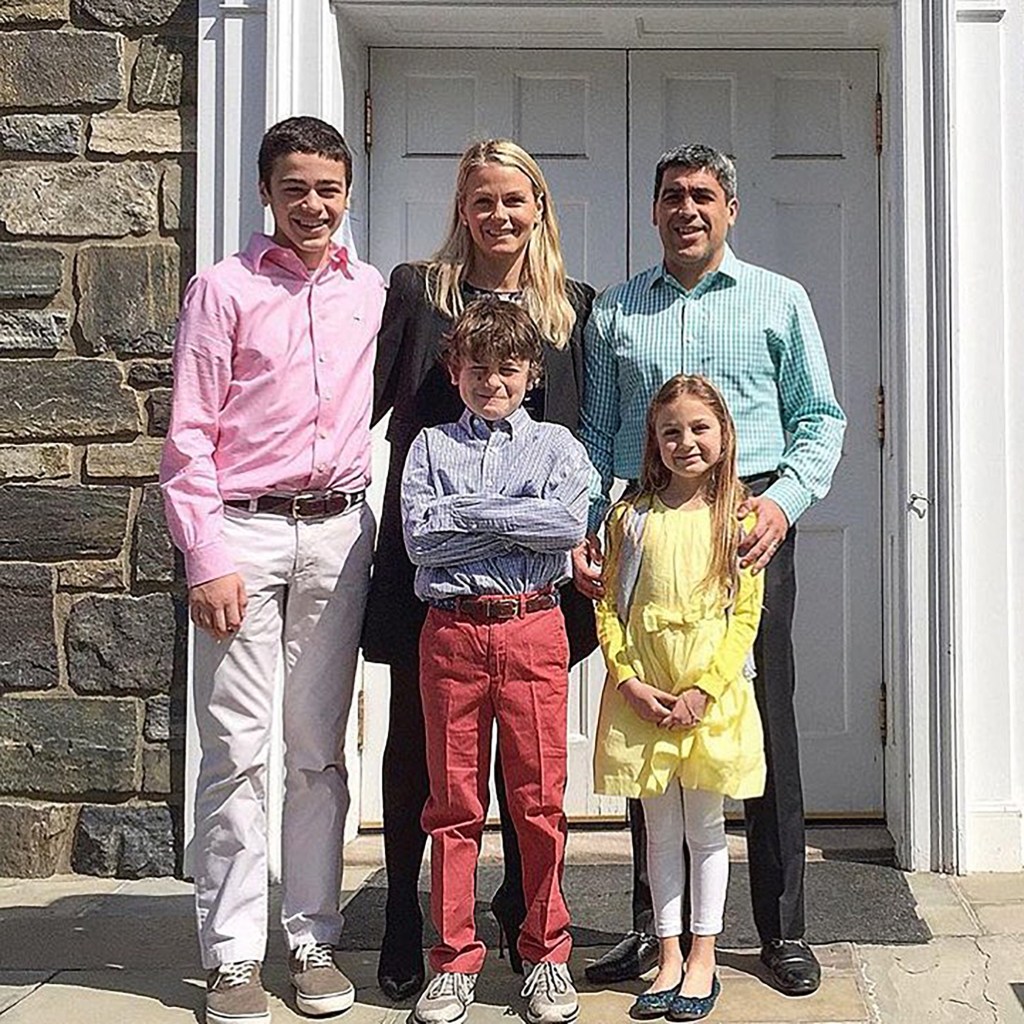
(794, 967)
(634, 955)
(400, 981)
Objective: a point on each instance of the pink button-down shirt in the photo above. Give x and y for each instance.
(273, 385)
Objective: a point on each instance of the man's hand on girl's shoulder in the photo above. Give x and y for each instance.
(758, 547)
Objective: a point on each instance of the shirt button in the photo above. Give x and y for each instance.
(327, 397)
(321, 359)
(323, 435)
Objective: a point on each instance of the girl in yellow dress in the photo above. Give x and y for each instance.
(679, 727)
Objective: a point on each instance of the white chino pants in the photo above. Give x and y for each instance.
(306, 583)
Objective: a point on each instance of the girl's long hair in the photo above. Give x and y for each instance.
(543, 281)
(723, 488)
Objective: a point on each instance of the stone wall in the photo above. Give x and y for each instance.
(97, 179)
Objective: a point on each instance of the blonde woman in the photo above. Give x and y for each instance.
(502, 240)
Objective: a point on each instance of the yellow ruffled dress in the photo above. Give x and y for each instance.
(676, 638)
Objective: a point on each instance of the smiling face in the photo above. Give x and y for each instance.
(307, 194)
(693, 217)
(689, 438)
(499, 207)
(493, 390)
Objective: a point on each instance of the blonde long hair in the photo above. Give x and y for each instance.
(725, 491)
(543, 282)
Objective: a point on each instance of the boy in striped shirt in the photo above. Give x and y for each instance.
(492, 505)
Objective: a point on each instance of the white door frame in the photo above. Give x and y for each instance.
(257, 65)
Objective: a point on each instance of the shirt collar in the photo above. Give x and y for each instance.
(729, 268)
(476, 426)
(261, 246)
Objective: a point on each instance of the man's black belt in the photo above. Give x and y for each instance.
(311, 505)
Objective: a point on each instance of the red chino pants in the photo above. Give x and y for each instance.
(472, 672)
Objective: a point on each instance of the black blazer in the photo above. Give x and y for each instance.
(411, 383)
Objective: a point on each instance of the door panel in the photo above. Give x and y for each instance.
(800, 126)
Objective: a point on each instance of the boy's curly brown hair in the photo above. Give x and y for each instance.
(491, 330)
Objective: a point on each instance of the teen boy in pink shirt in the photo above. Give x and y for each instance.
(264, 474)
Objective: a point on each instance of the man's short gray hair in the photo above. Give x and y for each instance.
(696, 157)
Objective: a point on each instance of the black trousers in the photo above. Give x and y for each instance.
(775, 821)
(405, 791)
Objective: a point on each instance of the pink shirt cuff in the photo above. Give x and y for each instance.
(206, 563)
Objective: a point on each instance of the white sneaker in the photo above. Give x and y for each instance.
(551, 994)
(446, 1000)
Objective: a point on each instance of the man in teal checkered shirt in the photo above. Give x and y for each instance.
(753, 333)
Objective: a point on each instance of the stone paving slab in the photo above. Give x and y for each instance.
(16, 985)
(992, 887)
(949, 981)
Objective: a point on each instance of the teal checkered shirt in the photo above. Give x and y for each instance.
(750, 331)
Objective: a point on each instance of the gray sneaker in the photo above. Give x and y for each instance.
(234, 995)
(550, 993)
(446, 1000)
(320, 987)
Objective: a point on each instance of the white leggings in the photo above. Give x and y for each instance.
(698, 817)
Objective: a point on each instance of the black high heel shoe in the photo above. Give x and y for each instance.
(401, 971)
(510, 919)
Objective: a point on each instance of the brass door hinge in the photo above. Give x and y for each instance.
(880, 415)
(878, 124)
(367, 121)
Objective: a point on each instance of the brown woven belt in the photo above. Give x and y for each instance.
(498, 609)
(302, 506)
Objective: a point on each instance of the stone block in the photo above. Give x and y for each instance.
(14, 11)
(32, 330)
(65, 746)
(160, 70)
(42, 134)
(65, 398)
(139, 459)
(158, 412)
(156, 771)
(30, 271)
(35, 838)
(154, 551)
(79, 200)
(129, 298)
(177, 201)
(119, 644)
(144, 375)
(43, 68)
(28, 648)
(165, 719)
(46, 523)
(34, 462)
(105, 574)
(124, 842)
(120, 133)
(137, 13)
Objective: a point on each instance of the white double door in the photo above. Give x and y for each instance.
(800, 125)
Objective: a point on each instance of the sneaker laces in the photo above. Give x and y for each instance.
(449, 983)
(549, 978)
(238, 973)
(311, 955)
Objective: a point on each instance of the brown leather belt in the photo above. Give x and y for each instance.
(493, 608)
(301, 506)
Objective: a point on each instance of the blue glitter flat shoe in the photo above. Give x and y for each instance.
(651, 1005)
(694, 1007)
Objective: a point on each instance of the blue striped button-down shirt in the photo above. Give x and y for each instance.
(750, 331)
(493, 508)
